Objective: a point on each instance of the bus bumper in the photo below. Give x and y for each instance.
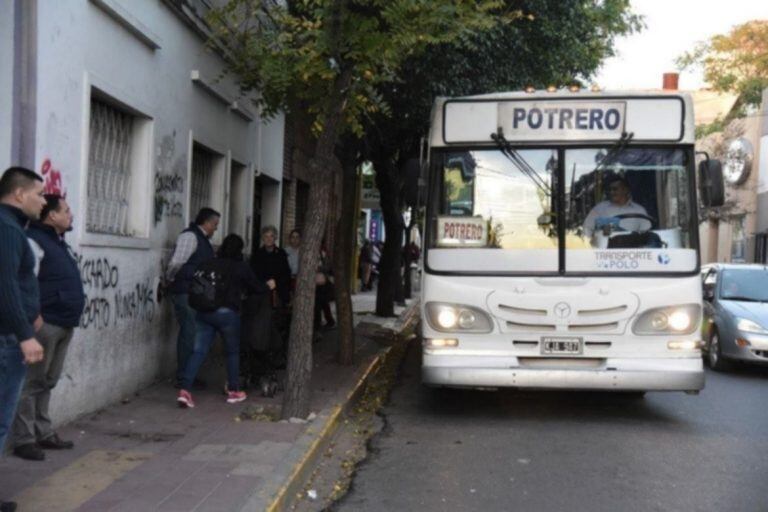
(615, 375)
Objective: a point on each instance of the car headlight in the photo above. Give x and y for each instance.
(668, 320)
(746, 325)
(445, 317)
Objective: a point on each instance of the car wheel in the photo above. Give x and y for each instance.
(715, 354)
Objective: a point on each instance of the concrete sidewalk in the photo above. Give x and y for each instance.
(147, 454)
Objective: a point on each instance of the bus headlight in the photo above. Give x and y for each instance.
(445, 317)
(668, 320)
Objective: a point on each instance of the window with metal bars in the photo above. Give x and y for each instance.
(202, 174)
(109, 170)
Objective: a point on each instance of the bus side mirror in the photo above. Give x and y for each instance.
(711, 185)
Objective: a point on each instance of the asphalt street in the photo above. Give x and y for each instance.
(553, 451)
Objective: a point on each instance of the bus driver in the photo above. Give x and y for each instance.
(603, 215)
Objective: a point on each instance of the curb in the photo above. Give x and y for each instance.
(278, 493)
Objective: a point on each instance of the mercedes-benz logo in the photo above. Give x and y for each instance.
(562, 310)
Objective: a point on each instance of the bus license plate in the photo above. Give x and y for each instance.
(560, 345)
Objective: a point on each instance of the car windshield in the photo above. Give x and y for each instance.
(747, 284)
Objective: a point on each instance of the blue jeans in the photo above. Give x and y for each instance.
(226, 322)
(12, 372)
(185, 342)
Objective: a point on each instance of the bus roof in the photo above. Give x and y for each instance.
(563, 117)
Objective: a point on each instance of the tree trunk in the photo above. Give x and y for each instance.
(299, 368)
(390, 281)
(321, 167)
(342, 265)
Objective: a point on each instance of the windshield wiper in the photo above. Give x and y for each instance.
(615, 149)
(520, 163)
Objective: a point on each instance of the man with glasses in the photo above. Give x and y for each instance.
(607, 215)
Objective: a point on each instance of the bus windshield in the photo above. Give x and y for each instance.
(612, 210)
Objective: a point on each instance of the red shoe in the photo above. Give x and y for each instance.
(185, 399)
(234, 397)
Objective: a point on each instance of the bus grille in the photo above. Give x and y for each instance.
(587, 312)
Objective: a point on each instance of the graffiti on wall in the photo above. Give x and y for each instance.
(53, 183)
(108, 301)
(169, 181)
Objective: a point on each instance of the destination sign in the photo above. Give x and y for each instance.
(462, 232)
(562, 120)
(573, 119)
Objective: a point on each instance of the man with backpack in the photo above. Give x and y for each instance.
(192, 248)
(216, 293)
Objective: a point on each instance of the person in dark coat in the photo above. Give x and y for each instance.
(21, 199)
(266, 317)
(271, 262)
(225, 320)
(192, 248)
(62, 300)
(366, 265)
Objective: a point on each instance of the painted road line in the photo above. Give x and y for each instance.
(73, 485)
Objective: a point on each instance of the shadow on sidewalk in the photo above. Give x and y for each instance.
(147, 454)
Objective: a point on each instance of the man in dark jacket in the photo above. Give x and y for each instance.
(192, 248)
(61, 303)
(21, 198)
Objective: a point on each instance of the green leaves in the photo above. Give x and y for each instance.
(297, 54)
(735, 62)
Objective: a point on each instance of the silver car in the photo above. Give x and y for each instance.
(735, 324)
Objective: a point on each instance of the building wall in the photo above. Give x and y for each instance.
(761, 166)
(741, 200)
(299, 148)
(6, 81)
(127, 338)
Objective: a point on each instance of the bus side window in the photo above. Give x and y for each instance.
(458, 193)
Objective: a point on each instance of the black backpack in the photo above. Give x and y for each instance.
(210, 285)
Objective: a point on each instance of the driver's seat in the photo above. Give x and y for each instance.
(635, 240)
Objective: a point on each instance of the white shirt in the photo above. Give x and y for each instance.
(293, 259)
(186, 245)
(607, 209)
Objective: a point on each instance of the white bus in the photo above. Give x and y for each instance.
(561, 247)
